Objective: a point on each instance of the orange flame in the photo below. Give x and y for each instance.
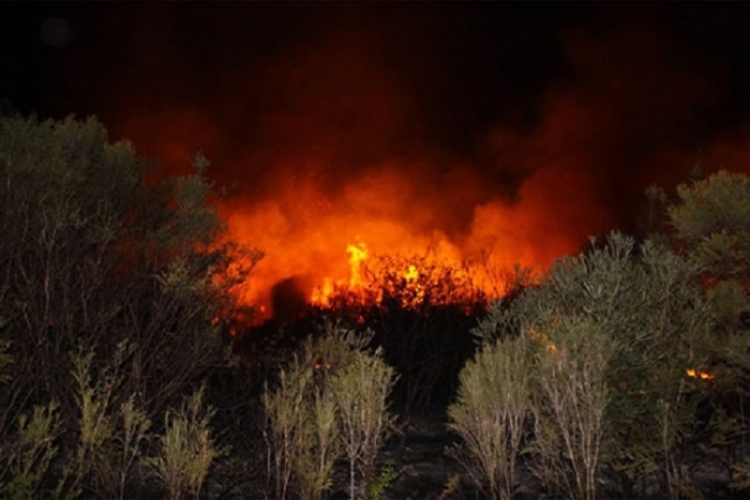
(322, 294)
(357, 255)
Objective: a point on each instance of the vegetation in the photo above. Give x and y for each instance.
(617, 328)
(421, 322)
(330, 404)
(626, 362)
(492, 411)
(111, 284)
(627, 368)
(186, 450)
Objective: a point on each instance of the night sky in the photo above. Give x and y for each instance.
(525, 125)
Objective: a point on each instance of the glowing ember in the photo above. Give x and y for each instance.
(699, 374)
(542, 340)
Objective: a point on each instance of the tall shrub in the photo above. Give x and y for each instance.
(645, 298)
(186, 449)
(569, 414)
(492, 412)
(97, 249)
(328, 404)
(360, 390)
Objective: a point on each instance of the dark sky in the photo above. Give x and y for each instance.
(454, 117)
(462, 68)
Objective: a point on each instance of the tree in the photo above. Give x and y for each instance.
(96, 252)
(712, 221)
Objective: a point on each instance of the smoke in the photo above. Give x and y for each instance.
(626, 118)
(361, 126)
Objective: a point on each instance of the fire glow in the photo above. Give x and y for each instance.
(699, 374)
(315, 245)
(340, 158)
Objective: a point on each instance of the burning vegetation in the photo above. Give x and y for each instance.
(370, 211)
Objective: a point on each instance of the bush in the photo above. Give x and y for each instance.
(114, 275)
(328, 404)
(360, 390)
(492, 412)
(186, 450)
(646, 300)
(97, 251)
(108, 441)
(569, 414)
(27, 457)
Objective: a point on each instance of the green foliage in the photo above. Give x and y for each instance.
(98, 252)
(328, 404)
(27, 457)
(6, 361)
(114, 277)
(569, 415)
(729, 300)
(646, 301)
(108, 441)
(130, 440)
(360, 390)
(713, 220)
(741, 476)
(286, 412)
(711, 224)
(452, 489)
(383, 481)
(493, 404)
(186, 450)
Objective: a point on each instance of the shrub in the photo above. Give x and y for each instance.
(360, 390)
(301, 433)
(108, 441)
(186, 450)
(569, 415)
(114, 274)
(645, 298)
(492, 412)
(26, 458)
(328, 404)
(99, 250)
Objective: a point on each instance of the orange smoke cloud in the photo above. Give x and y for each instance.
(330, 145)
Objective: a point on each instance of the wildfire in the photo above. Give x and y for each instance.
(411, 281)
(323, 293)
(357, 255)
(326, 141)
(412, 274)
